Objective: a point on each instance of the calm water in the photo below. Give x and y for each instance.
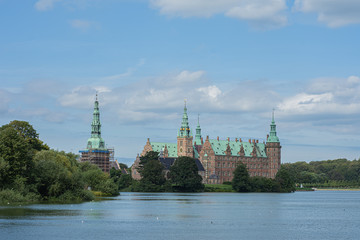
(300, 215)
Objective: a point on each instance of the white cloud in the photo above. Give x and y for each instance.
(325, 96)
(260, 13)
(162, 97)
(79, 97)
(334, 13)
(83, 25)
(211, 91)
(45, 5)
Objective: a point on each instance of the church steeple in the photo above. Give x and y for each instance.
(198, 133)
(272, 137)
(96, 141)
(184, 130)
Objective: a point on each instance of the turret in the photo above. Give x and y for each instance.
(198, 133)
(272, 136)
(185, 129)
(184, 139)
(96, 142)
(273, 149)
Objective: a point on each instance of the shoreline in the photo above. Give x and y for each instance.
(337, 189)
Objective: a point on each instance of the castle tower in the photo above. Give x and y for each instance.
(95, 152)
(96, 142)
(184, 138)
(273, 149)
(198, 134)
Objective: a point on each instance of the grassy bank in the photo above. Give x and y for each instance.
(218, 188)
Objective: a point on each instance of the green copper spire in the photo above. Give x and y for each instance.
(96, 142)
(272, 137)
(198, 133)
(184, 129)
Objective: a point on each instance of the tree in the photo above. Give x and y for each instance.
(262, 184)
(286, 182)
(152, 175)
(120, 179)
(148, 157)
(55, 175)
(27, 131)
(241, 180)
(184, 175)
(16, 156)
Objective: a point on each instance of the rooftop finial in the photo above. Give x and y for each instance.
(96, 96)
(273, 113)
(185, 102)
(198, 118)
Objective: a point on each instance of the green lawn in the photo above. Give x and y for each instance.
(218, 188)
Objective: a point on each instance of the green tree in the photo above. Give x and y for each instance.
(148, 157)
(151, 172)
(152, 177)
(285, 181)
(184, 175)
(16, 156)
(27, 131)
(262, 184)
(56, 176)
(241, 179)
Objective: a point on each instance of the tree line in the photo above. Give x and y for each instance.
(183, 177)
(31, 172)
(327, 173)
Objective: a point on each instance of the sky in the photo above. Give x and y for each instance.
(232, 60)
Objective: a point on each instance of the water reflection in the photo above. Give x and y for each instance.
(28, 212)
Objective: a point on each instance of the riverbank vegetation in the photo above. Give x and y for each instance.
(182, 177)
(339, 173)
(242, 182)
(31, 172)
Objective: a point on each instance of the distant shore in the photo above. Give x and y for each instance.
(337, 189)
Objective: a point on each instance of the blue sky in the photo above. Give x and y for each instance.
(233, 60)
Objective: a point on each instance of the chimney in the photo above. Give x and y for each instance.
(218, 138)
(249, 140)
(253, 140)
(257, 141)
(240, 140)
(228, 139)
(236, 139)
(207, 137)
(267, 136)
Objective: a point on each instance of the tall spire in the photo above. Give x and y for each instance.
(272, 137)
(96, 141)
(184, 129)
(198, 132)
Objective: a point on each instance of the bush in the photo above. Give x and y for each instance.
(9, 196)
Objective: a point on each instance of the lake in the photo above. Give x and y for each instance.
(300, 215)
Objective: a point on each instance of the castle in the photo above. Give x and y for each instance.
(219, 158)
